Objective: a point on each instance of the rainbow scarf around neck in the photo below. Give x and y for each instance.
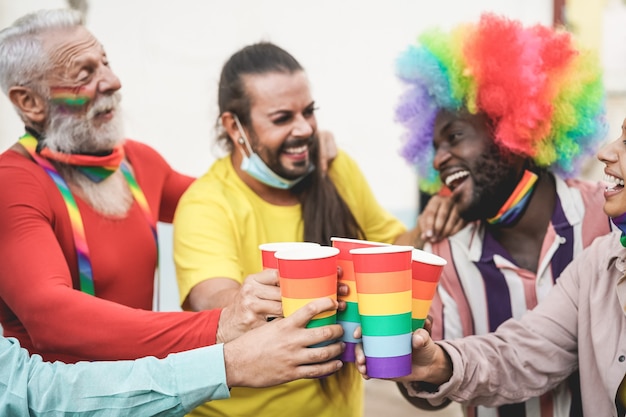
(94, 167)
(29, 142)
(514, 206)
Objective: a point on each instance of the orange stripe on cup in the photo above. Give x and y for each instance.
(290, 305)
(383, 282)
(308, 287)
(424, 290)
(348, 269)
(352, 295)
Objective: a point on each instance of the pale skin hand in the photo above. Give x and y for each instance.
(245, 306)
(328, 149)
(438, 220)
(277, 352)
(430, 362)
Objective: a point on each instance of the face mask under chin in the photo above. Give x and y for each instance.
(256, 168)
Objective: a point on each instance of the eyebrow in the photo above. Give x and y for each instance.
(275, 112)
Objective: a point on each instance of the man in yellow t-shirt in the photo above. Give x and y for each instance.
(268, 189)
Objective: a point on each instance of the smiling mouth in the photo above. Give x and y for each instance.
(104, 112)
(613, 183)
(296, 150)
(454, 180)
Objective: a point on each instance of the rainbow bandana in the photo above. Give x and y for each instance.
(29, 142)
(514, 206)
(94, 167)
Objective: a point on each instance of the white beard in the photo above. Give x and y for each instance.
(71, 133)
(111, 196)
(77, 134)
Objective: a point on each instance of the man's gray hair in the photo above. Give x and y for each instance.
(22, 58)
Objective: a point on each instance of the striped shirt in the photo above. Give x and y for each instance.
(481, 286)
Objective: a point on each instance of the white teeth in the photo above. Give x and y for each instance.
(613, 180)
(457, 175)
(297, 150)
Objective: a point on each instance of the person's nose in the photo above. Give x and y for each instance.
(109, 83)
(303, 127)
(607, 153)
(442, 155)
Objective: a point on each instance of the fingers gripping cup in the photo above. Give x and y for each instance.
(306, 274)
(383, 284)
(269, 249)
(426, 271)
(349, 318)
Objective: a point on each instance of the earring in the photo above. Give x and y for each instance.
(240, 140)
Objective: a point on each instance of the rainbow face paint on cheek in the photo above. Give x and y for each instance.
(72, 97)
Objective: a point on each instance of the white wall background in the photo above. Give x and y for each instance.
(168, 55)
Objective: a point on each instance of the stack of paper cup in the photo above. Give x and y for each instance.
(349, 318)
(383, 284)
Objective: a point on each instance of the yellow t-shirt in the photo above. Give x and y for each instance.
(218, 226)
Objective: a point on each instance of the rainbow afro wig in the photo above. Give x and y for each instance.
(543, 95)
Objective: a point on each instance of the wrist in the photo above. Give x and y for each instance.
(442, 368)
(230, 366)
(222, 334)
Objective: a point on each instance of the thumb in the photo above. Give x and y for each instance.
(419, 339)
(267, 277)
(304, 314)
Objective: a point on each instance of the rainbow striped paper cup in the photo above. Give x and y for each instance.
(305, 275)
(349, 318)
(383, 284)
(426, 270)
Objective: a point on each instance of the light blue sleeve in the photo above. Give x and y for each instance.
(144, 387)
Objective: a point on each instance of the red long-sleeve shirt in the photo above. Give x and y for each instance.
(39, 304)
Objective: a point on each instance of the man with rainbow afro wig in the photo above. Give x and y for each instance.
(504, 115)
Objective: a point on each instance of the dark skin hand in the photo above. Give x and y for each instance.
(420, 403)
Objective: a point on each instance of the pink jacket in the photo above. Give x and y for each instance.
(580, 324)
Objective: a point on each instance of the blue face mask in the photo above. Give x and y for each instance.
(254, 166)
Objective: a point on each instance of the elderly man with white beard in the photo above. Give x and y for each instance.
(78, 211)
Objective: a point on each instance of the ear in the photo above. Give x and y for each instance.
(230, 126)
(32, 106)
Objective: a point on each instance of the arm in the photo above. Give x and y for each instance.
(144, 387)
(274, 354)
(244, 306)
(213, 250)
(35, 283)
(522, 359)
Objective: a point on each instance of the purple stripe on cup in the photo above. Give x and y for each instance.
(391, 367)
